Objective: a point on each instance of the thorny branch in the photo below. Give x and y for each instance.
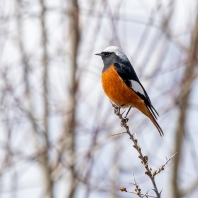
(123, 189)
(163, 166)
(144, 159)
(137, 190)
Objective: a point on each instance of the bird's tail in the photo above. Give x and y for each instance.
(156, 124)
(146, 111)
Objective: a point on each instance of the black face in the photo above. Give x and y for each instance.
(109, 58)
(106, 54)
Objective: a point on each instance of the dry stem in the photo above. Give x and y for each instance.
(144, 159)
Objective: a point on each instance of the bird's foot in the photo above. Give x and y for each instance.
(117, 109)
(124, 121)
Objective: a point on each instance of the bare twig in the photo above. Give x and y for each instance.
(118, 134)
(123, 189)
(144, 159)
(137, 189)
(163, 166)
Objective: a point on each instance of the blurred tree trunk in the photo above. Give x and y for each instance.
(183, 106)
(70, 131)
(45, 158)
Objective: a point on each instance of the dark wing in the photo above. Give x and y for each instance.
(127, 73)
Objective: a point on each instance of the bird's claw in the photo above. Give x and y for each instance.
(124, 121)
(116, 109)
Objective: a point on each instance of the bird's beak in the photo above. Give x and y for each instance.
(99, 54)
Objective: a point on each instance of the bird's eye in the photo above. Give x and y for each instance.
(107, 54)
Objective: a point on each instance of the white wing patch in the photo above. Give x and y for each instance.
(137, 87)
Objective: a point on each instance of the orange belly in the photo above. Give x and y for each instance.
(116, 89)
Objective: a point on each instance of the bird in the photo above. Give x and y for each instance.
(122, 85)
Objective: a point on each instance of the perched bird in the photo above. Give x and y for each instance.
(122, 86)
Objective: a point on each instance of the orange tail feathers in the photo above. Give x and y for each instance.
(144, 109)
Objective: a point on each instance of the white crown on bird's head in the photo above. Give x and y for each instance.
(117, 51)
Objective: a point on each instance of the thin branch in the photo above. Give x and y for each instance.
(123, 189)
(45, 159)
(118, 134)
(163, 166)
(144, 159)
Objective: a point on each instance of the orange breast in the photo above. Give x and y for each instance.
(116, 89)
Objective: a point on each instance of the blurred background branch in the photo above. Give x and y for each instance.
(183, 102)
